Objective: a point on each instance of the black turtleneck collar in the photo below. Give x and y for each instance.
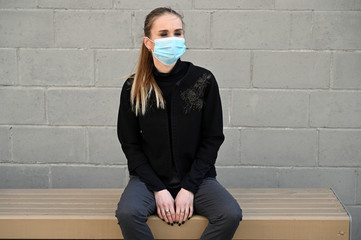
(177, 72)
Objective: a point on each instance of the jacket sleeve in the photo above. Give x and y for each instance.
(129, 134)
(212, 138)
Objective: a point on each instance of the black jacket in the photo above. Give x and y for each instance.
(196, 125)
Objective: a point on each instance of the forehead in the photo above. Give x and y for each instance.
(167, 22)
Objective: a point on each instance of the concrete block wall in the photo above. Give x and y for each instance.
(289, 73)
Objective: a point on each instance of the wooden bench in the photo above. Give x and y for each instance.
(89, 214)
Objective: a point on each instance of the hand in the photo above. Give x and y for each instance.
(165, 205)
(183, 205)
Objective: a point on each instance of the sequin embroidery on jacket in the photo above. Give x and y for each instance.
(193, 96)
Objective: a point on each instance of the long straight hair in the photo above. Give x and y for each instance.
(144, 82)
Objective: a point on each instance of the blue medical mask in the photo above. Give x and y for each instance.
(169, 50)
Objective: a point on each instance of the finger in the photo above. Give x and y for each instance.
(190, 212)
(185, 214)
(181, 217)
(169, 215)
(159, 213)
(172, 214)
(164, 214)
(177, 214)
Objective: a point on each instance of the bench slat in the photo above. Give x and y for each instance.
(75, 205)
(89, 214)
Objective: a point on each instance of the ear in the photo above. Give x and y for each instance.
(147, 43)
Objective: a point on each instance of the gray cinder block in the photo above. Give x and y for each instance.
(347, 70)
(49, 145)
(75, 4)
(229, 153)
(340, 148)
(267, 108)
(24, 176)
(145, 4)
(244, 177)
(357, 4)
(335, 109)
(93, 29)
(104, 146)
(8, 67)
(113, 65)
(138, 18)
(88, 176)
(20, 28)
(282, 147)
(291, 70)
(22, 106)
(302, 27)
(17, 3)
(251, 29)
(5, 144)
(235, 4)
(314, 5)
(337, 30)
(53, 67)
(88, 106)
(231, 68)
(342, 180)
(226, 106)
(196, 29)
(358, 191)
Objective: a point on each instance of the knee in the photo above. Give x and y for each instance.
(126, 212)
(233, 215)
(229, 216)
(238, 214)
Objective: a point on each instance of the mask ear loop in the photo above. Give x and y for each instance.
(150, 50)
(149, 39)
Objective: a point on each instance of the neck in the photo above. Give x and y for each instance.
(162, 68)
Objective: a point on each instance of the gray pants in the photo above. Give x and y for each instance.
(212, 201)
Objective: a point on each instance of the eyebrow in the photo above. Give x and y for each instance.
(176, 30)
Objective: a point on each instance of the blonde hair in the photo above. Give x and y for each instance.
(144, 82)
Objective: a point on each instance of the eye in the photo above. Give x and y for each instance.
(163, 34)
(178, 34)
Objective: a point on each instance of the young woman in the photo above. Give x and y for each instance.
(170, 129)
